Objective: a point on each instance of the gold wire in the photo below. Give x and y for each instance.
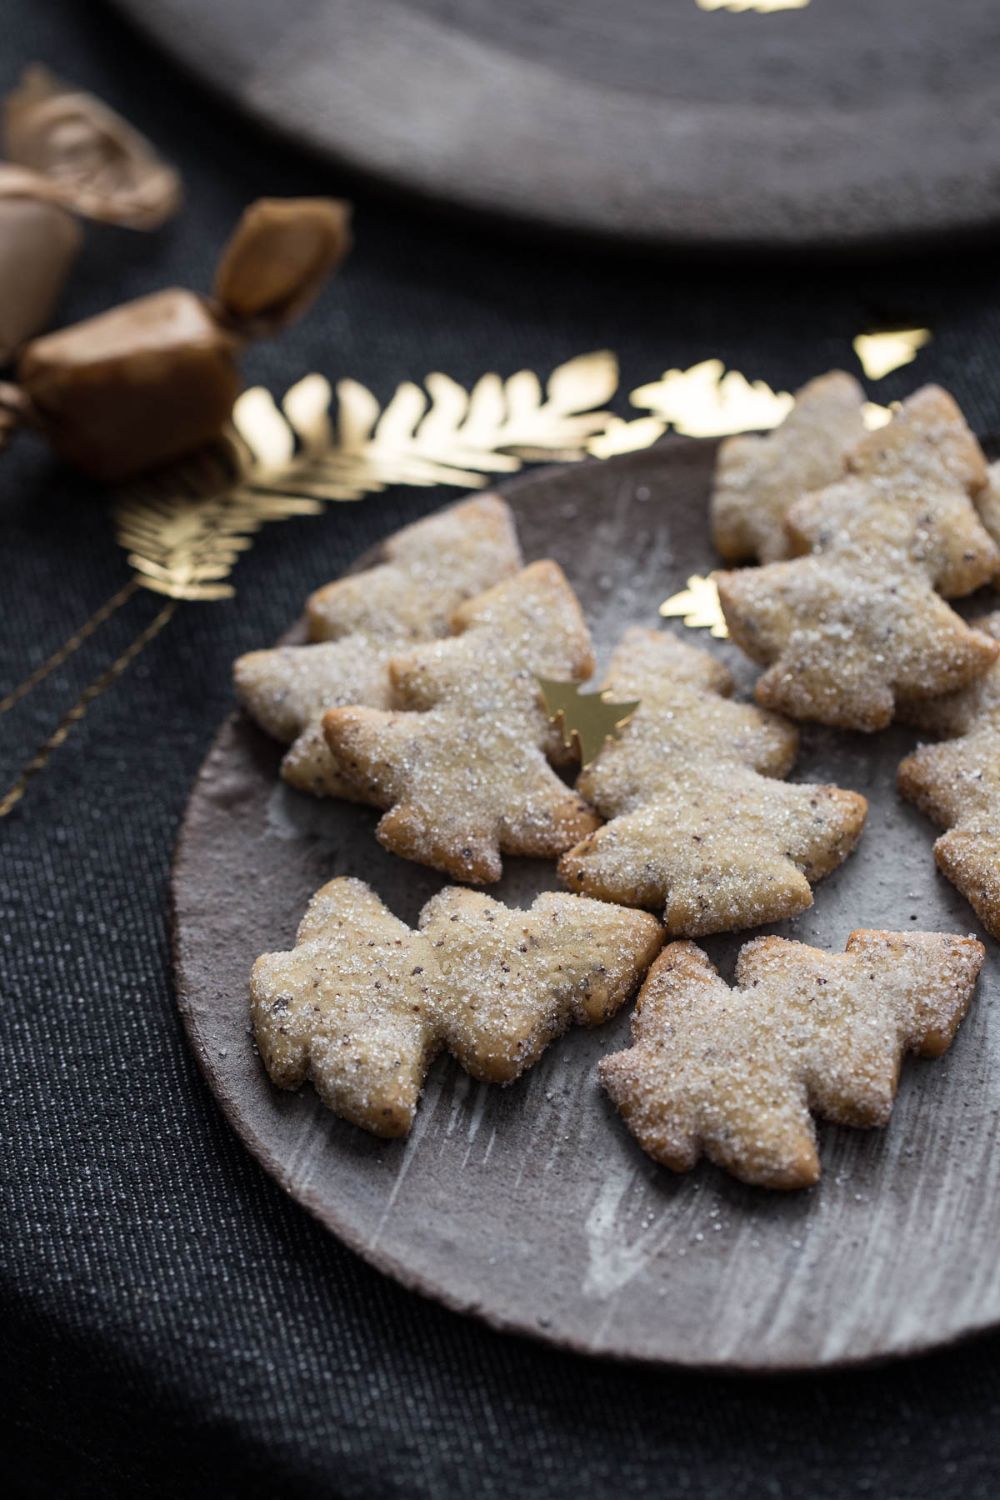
(72, 717)
(74, 642)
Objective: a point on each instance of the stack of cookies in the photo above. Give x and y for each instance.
(420, 694)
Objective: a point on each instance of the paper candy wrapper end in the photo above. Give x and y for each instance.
(67, 155)
(144, 383)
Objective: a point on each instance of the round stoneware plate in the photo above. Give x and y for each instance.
(532, 1206)
(686, 122)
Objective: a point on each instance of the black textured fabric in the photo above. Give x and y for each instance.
(171, 1325)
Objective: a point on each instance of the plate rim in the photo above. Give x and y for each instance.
(681, 226)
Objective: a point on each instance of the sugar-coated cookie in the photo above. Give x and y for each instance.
(700, 823)
(461, 764)
(759, 477)
(988, 502)
(860, 621)
(909, 495)
(845, 638)
(362, 1003)
(733, 1074)
(359, 621)
(957, 784)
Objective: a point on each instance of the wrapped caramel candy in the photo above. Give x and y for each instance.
(67, 154)
(134, 386)
(38, 244)
(156, 378)
(280, 255)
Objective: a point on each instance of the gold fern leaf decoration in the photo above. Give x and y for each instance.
(184, 532)
(708, 400)
(185, 529)
(438, 433)
(621, 436)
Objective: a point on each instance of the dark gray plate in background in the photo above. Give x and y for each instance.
(531, 1206)
(843, 123)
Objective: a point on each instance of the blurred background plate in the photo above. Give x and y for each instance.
(836, 123)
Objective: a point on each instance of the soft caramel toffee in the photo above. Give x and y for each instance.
(144, 383)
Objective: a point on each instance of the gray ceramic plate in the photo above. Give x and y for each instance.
(845, 122)
(531, 1206)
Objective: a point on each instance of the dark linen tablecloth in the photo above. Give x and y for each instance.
(171, 1325)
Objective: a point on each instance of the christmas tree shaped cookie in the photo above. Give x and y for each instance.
(957, 784)
(734, 1073)
(860, 621)
(461, 764)
(988, 502)
(700, 825)
(359, 621)
(362, 1003)
(759, 478)
(910, 492)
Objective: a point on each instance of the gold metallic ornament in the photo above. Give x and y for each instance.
(874, 415)
(621, 436)
(435, 433)
(290, 460)
(708, 400)
(698, 606)
(763, 7)
(890, 349)
(585, 720)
